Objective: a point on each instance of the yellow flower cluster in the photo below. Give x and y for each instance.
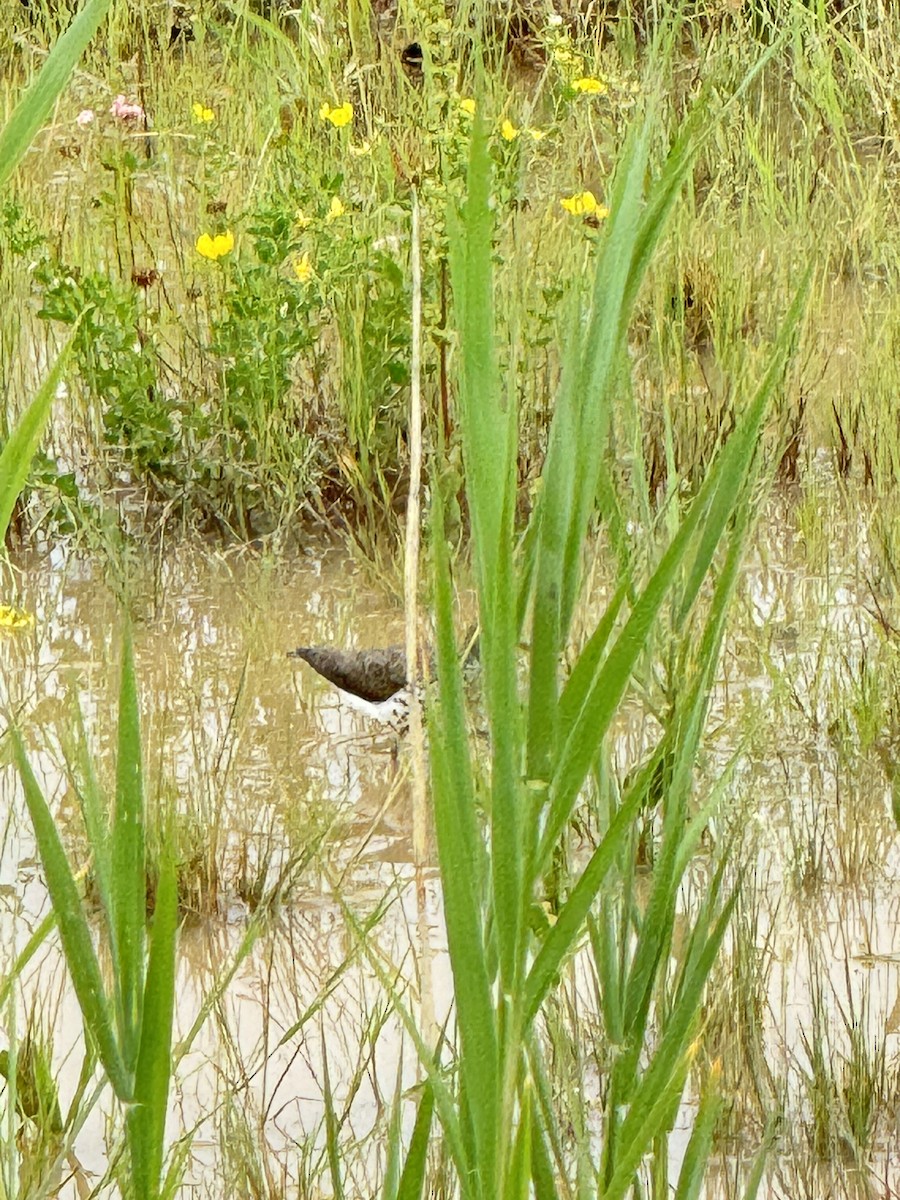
(215, 247)
(584, 204)
(15, 618)
(303, 267)
(338, 117)
(202, 115)
(508, 131)
(335, 209)
(589, 86)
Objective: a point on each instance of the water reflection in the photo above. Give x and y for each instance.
(277, 776)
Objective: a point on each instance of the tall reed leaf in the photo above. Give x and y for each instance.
(16, 456)
(710, 511)
(95, 816)
(35, 106)
(129, 890)
(605, 328)
(133, 1030)
(15, 138)
(154, 1063)
(74, 931)
(488, 428)
(493, 868)
(461, 854)
(412, 1178)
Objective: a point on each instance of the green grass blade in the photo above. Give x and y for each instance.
(553, 1157)
(25, 955)
(578, 685)
(715, 502)
(606, 941)
(509, 814)
(412, 1180)
(609, 685)
(518, 1183)
(154, 1061)
(680, 1024)
(549, 526)
(601, 346)
(129, 884)
(561, 938)
(542, 1177)
(394, 1139)
(694, 130)
(485, 425)
(448, 1109)
(16, 456)
(761, 1158)
(461, 856)
(738, 450)
(96, 823)
(74, 931)
(655, 932)
(332, 1130)
(35, 105)
(652, 1113)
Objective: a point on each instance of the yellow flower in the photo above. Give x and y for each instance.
(215, 247)
(467, 107)
(301, 220)
(584, 204)
(303, 268)
(339, 117)
(590, 86)
(335, 209)
(15, 618)
(201, 114)
(508, 131)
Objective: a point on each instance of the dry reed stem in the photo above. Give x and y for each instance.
(411, 590)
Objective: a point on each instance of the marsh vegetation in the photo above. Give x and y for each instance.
(611, 293)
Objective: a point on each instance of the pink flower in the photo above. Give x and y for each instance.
(85, 117)
(123, 111)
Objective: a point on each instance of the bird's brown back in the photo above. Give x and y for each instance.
(373, 675)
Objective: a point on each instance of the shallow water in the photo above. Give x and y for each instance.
(274, 770)
(270, 765)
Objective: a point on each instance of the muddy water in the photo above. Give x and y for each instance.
(276, 777)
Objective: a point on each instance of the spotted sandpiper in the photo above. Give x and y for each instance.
(375, 679)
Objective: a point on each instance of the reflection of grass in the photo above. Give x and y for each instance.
(847, 1081)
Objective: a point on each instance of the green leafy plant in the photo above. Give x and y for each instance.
(117, 362)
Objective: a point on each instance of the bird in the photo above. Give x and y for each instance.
(376, 677)
(373, 675)
(376, 680)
